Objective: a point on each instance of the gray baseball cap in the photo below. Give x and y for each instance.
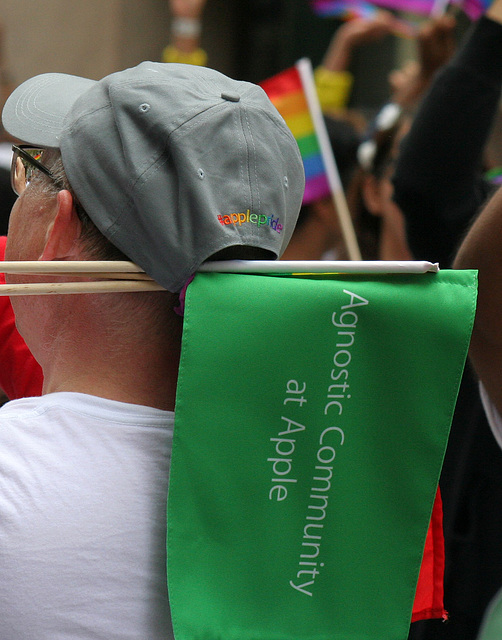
(173, 163)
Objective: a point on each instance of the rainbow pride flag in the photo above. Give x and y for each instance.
(286, 92)
(294, 94)
(358, 8)
(474, 8)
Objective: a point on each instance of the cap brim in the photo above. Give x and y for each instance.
(35, 111)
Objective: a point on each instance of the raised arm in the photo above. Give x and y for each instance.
(482, 250)
(333, 77)
(435, 43)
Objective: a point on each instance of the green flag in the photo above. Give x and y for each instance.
(312, 416)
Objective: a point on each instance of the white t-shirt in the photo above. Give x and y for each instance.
(493, 416)
(83, 493)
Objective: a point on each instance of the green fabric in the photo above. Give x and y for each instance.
(312, 416)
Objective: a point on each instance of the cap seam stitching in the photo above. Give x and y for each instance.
(250, 134)
(187, 125)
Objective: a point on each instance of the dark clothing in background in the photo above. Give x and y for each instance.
(439, 186)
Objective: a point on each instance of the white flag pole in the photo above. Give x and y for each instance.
(376, 267)
(304, 67)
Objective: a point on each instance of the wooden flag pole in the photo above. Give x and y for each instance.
(114, 276)
(107, 286)
(81, 267)
(304, 67)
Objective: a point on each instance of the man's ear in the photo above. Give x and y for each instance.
(371, 195)
(63, 232)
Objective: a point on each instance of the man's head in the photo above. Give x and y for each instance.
(172, 163)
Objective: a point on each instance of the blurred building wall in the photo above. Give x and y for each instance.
(95, 37)
(248, 39)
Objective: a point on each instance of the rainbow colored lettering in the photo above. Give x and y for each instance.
(254, 218)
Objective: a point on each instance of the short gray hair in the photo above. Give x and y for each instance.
(96, 245)
(158, 304)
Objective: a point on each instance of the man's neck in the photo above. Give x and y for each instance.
(141, 383)
(117, 357)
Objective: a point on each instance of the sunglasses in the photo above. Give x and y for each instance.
(25, 161)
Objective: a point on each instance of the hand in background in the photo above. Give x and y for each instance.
(353, 34)
(435, 44)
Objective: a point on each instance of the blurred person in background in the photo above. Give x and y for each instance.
(440, 185)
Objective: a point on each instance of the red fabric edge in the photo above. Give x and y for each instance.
(430, 586)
